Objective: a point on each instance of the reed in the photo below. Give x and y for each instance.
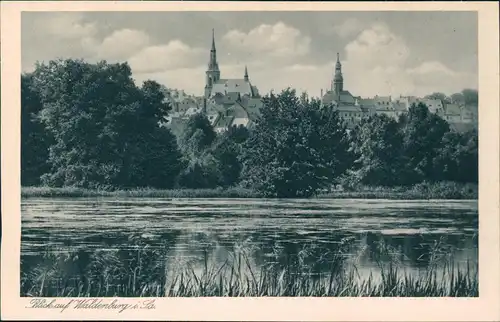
(147, 273)
(50, 192)
(423, 191)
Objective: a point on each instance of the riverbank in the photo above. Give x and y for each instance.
(423, 191)
(149, 274)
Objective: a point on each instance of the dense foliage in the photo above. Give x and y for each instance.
(35, 140)
(90, 126)
(466, 96)
(419, 147)
(296, 148)
(104, 128)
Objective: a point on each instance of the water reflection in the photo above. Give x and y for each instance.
(272, 232)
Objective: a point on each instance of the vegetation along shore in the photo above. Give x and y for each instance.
(423, 191)
(149, 273)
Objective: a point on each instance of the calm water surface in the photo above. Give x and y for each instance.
(270, 229)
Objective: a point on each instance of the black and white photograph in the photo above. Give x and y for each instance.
(168, 154)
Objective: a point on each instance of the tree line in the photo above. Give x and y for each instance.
(89, 125)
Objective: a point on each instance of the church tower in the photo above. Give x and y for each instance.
(213, 72)
(246, 74)
(338, 80)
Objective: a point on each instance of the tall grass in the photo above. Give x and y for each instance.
(147, 273)
(40, 192)
(423, 191)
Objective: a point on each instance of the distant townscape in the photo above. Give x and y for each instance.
(90, 125)
(231, 102)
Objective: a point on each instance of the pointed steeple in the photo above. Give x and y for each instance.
(338, 80)
(213, 72)
(338, 66)
(246, 74)
(213, 65)
(213, 39)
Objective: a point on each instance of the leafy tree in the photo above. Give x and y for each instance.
(468, 157)
(106, 130)
(457, 98)
(228, 151)
(378, 145)
(422, 133)
(466, 96)
(202, 168)
(470, 96)
(201, 172)
(445, 162)
(35, 141)
(237, 134)
(198, 135)
(458, 158)
(295, 148)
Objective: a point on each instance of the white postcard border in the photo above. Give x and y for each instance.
(485, 307)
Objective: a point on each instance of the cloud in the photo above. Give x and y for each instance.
(191, 80)
(376, 59)
(348, 28)
(377, 62)
(66, 26)
(174, 55)
(278, 40)
(431, 67)
(302, 67)
(121, 44)
(49, 35)
(434, 76)
(266, 78)
(378, 46)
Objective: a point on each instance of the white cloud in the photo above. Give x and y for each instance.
(378, 46)
(376, 59)
(174, 55)
(377, 63)
(435, 76)
(348, 27)
(302, 67)
(121, 44)
(191, 80)
(431, 67)
(66, 25)
(278, 40)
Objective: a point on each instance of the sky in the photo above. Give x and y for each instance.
(382, 53)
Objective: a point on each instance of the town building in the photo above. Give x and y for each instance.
(236, 102)
(226, 101)
(354, 108)
(342, 100)
(215, 85)
(229, 101)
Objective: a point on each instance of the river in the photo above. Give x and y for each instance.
(270, 230)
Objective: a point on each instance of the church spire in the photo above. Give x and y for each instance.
(338, 79)
(213, 65)
(213, 72)
(246, 73)
(213, 39)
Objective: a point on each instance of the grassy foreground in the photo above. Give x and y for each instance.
(443, 190)
(147, 274)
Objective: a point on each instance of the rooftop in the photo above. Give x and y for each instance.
(225, 86)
